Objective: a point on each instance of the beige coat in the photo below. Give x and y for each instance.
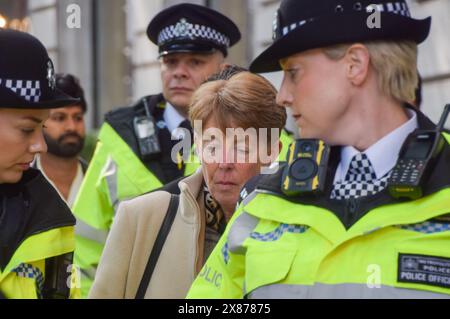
(131, 240)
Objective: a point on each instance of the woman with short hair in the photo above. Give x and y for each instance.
(245, 102)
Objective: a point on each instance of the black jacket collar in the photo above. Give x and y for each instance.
(121, 121)
(30, 207)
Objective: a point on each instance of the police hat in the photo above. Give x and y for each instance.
(301, 25)
(27, 76)
(189, 27)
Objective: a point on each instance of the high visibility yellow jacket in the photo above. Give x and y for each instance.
(373, 247)
(38, 241)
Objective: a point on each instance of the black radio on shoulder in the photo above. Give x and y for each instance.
(306, 171)
(146, 133)
(416, 161)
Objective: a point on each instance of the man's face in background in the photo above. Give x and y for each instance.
(183, 73)
(64, 131)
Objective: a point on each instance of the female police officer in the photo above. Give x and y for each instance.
(349, 73)
(36, 226)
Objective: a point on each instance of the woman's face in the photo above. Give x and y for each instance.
(317, 91)
(229, 162)
(21, 139)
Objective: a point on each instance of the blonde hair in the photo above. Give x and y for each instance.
(395, 64)
(246, 100)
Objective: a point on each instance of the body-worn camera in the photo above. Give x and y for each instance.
(416, 161)
(147, 137)
(306, 171)
(58, 271)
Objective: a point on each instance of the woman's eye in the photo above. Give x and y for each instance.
(28, 131)
(292, 73)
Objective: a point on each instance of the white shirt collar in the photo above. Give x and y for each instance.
(383, 154)
(74, 188)
(172, 117)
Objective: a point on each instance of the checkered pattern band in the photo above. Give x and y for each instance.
(278, 232)
(28, 271)
(267, 237)
(360, 180)
(226, 253)
(427, 227)
(360, 169)
(399, 8)
(29, 90)
(184, 29)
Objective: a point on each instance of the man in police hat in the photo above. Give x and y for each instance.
(350, 83)
(133, 155)
(36, 226)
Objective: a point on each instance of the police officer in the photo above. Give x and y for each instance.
(36, 227)
(349, 75)
(134, 152)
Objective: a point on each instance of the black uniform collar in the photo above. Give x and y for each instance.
(121, 121)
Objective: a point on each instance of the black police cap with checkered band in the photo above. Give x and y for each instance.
(189, 27)
(27, 76)
(302, 25)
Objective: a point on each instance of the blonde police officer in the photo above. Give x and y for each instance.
(349, 76)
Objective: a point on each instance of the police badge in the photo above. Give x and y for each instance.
(182, 28)
(51, 75)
